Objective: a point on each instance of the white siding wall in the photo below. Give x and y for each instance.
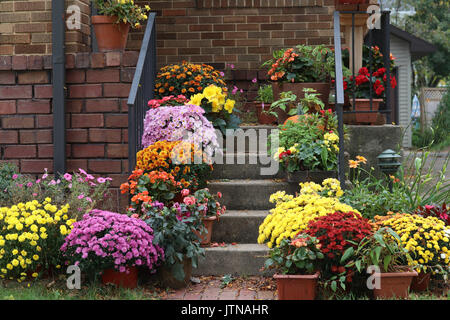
(401, 51)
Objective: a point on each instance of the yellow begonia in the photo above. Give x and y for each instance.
(292, 214)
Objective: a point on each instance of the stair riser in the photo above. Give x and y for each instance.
(246, 171)
(237, 229)
(231, 262)
(247, 196)
(247, 140)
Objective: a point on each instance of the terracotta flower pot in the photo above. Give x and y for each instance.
(394, 285)
(264, 118)
(296, 287)
(121, 279)
(111, 36)
(421, 282)
(170, 281)
(205, 238)
(364, 105)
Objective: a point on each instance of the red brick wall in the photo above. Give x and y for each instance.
(98, 85)
(25, 27)
(242, 32)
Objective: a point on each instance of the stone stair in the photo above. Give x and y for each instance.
(246, 195)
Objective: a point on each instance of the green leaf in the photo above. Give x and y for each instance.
(386, 262)
(333, 286)
(358, 265)
(347, 254)
(178, 272)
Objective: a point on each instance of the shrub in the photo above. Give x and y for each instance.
(301, 64)
(336, 233)
(177, 123)
(186, 79)
(291, 215)
(440, 212)
(147, 187)
(104, 240)
(218, 107)
(8, 173)
(31, 234)
(441, 120)
(297, 256)
(173, 229)
(80, 190)
(124, 10)
(425, 238)
(184, 161)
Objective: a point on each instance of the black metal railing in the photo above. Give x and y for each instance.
(379, 37)
(142, 90)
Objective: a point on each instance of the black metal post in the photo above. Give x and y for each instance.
(94, 45)
(58, 81)
(386, 50)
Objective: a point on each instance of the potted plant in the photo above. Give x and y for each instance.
(114, 245)
(384, 249)
(363, 88)
(282, 108)
(430, 254)
(172, 227)
(296, 262)
(301, 67)
(337, 233)
(113, 23)
(308, 145)
(263, 102)
(218, 107)
(209, 209)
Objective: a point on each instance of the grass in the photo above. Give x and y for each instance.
(57, 290)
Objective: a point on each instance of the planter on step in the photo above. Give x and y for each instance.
(364, 105)
(296, 287)
(205, 238)
(323, 88)
(394, 284)
(421, 282)
(111, 36)
(170, 281)
(263, 117)
(309, 176)
(121, 279)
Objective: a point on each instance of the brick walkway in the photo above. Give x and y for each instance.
(210, 288)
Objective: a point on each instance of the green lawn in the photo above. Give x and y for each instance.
(57, 290)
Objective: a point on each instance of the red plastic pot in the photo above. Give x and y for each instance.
(421, 282)
(364, 105)
(296, 287)
(121, 279)
(394, 285)
(111, 36)
(205, 237)
(263, 117)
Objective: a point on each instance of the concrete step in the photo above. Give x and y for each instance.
(240, 226)
(248, 194)
(247, 166)
(241, 259)
(248, 139)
